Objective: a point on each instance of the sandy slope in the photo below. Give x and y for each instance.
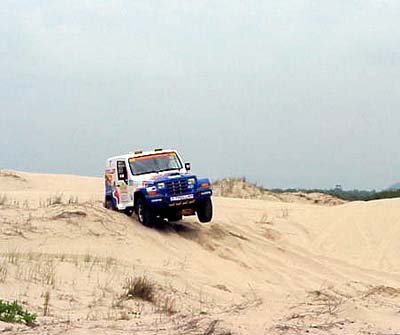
(261, 267)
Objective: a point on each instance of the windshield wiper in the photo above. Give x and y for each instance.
(168, 169)
(152, 171)
(146, 172)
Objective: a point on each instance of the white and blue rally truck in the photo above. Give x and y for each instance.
(155, 185)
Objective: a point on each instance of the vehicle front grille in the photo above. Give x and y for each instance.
(177, 186)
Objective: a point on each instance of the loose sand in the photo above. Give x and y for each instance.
(260, 267)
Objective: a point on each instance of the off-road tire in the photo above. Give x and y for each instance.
(144, 214)
(205, 210)
(129, 211)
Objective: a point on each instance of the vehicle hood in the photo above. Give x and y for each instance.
(164, 177)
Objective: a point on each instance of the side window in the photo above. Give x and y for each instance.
(121, 170)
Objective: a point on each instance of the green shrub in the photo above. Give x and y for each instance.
(14, 313)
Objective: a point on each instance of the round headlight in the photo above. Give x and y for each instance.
(160, 185)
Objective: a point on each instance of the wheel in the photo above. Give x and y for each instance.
(145, 216)
(205, 210)
(174, 218)
(108, 203)
(129, 211)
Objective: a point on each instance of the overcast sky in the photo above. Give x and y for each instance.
(287, 93)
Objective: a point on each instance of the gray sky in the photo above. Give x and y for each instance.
(287, 93)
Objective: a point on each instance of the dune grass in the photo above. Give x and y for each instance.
(13, 312)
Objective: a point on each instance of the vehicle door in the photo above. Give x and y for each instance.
(121, 183)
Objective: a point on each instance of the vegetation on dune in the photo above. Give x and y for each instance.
(3, 199)
(140, 287)
(351, 195)
(227, 185)
(14, 313)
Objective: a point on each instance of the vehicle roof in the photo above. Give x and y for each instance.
(143, 153)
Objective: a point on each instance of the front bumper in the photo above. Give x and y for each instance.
(181, 200)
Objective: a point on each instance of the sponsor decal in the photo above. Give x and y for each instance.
(123, 188)
(151, 156)
(108, 178)
(173, 177)
(124, 197)
(116, 196)
(182, 197)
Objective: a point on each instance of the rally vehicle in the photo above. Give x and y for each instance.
(155, 185)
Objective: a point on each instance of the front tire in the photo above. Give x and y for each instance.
(129, 211)
(205, 211)
(144, 214)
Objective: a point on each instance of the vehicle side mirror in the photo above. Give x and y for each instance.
(188, 167)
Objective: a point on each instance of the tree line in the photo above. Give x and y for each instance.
(348, 195)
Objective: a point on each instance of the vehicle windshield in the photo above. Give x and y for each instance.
(155, 163)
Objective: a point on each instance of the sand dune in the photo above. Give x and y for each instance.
(260, 267)
(240, 188)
